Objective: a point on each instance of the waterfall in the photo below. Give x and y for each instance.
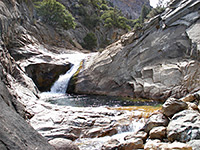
(60, 86)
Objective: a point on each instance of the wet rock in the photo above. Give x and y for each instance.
(158, 145)
(156, 120)
(184, 126)
(140, 134)
(158, 133)
(172, 106)
(45, 74)
(63, 144)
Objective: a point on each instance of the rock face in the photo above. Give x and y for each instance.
(156, 62)
(184, 126)
(130, 8)
(156, 120)
(16, 133)
(44, 74)
(172, 106)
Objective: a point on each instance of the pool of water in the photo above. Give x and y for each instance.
(96, 101)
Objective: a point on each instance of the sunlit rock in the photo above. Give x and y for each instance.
(63, 144)
(158, 133)
(172, 106)
(184, 126)
(156, 120)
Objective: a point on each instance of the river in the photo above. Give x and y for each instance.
(93, 114)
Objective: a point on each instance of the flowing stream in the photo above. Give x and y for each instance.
(58, 96)
(60, 86)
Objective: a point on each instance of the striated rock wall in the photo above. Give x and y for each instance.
(16, 89)
(156, 62)
(130, 8)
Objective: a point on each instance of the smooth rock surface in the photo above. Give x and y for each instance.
(155, 62)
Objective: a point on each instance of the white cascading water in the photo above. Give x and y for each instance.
(60, 86)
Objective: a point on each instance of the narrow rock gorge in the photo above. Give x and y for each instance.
(158, 61)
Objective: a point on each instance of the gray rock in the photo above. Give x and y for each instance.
(153, 62)
(112, 144)
(195, 144)
(158, 133)
(130, 8)
(184, 126)
(16, 133)
(140, 134)
(156, 120)
(45, 74)
(63, 144)
(172, 106)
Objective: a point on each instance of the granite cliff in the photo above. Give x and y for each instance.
(158, 61)
(130, 8)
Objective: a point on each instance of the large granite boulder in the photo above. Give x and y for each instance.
(184, 126)
(156, 62)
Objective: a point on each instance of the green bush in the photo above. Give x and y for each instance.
(90, 41)
(114, 18)
(54, 13)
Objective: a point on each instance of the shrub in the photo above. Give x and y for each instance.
(113, 18)
(90, 41)
(54, 13)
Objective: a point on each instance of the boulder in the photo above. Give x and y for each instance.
(172, 106)
(45, 74)
(184, 126)
(155, 120)
(157, 145)
(158, 133)
(63, 144)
